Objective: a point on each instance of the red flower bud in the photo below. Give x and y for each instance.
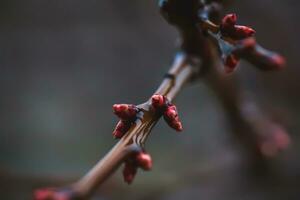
(43, 194)
(129, 172)
(144, 161)
(242, 32)
(229, 21)
(230, 63)
(281, 139)
(158, 101)
(277, 62)
(121, 128)
(278, 140)
(171, 117)
(168, 110)
(236, 32)
(50, 194)
(125, 111)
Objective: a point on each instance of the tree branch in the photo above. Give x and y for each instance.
(183, 68)
(197, 58)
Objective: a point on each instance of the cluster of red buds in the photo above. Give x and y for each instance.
(137, 160)
(237, 42)
(52, 194)
(229, 29)
(127, 114)
(168, 110)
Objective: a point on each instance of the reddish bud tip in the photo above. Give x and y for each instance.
(171, 112)
(158, 101)
(278, 141)
(125, 111)
(144, 161)
(229, 28)
(50, 194)
(171, 117)
(242, 32)
(282, 139)
(121, 128)
(278, 61)
(230, 63)
(129, 172)
(229, 20)
(43, 194)
(177, 125)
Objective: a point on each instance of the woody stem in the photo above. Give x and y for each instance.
(182, 69)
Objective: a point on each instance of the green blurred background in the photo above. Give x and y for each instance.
(63, 63)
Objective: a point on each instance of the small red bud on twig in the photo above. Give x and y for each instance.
(169, 111)
(282, 139)
(158, 101)
(277, 61)
(238, 32)
(242, 32)
(121, 128)
(125, 111)
(230, 63)
(235, 32)
(136, 160)
(52, 194)
(229, 21)
(43, 194)
(144, 161)
(129, 172)
(171, 117)
(278, 141)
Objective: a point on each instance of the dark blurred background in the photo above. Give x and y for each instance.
(65, 62)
